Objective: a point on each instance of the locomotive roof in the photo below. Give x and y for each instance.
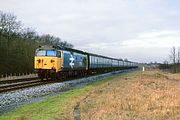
(70, 49)
(46, 47)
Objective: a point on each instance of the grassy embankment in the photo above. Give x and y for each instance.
(151, 95)
(148, 95)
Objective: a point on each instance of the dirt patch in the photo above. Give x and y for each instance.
(77, 112)
(148, 95)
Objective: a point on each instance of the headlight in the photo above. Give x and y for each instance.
(38, 60)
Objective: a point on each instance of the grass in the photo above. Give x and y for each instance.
(150, 95)
(57, 107)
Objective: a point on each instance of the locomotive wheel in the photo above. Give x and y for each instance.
(41, 76)
(47, 76)
(63, 76)
(53, 76)
(59, 76)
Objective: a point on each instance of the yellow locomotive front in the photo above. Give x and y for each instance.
(47, 62)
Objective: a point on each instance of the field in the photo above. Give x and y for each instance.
(150, 95)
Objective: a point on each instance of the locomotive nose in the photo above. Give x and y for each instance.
(47, 63)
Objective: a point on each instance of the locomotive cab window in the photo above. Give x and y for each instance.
(41, 53)
(53, 53)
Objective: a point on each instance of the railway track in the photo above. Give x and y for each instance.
(10, 85)
(15, 84)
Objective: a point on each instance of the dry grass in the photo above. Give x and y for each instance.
(151, 95)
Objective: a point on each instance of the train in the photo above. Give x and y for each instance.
(55, 62)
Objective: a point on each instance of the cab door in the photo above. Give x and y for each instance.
(59, 61)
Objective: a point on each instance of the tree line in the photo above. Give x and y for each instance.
(173, 65)
(18, 44)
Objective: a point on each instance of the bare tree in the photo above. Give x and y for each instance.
(28, 33)
(178, 56)
(55, 41)
(165, 62)
(9, 23)
(173, 55)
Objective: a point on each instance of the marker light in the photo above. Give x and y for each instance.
(39, 60)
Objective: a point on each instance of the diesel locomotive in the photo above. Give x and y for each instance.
(58, 63)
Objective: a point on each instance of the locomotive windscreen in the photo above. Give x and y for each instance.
(51, 53)
(41, 53)
(48, 53)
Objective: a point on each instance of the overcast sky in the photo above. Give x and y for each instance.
(139, 30)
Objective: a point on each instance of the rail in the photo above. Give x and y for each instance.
(9, 85)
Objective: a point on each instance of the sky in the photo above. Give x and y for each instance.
(139, 30)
